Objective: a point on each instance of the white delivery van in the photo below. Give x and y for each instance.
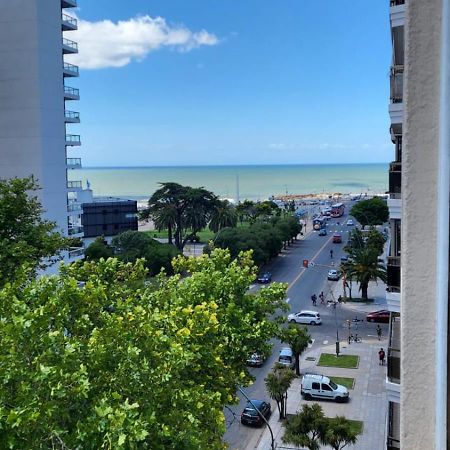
(321, 387)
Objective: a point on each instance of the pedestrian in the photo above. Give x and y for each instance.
(331, 253)
(350, 338)
(322, 298)
(340, 299)
(314, 299)
(381, 356)
(379, 332)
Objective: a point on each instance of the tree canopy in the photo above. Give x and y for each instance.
(121, 364)
(298, 339)
(98, 249)
(373, 211)
(26, 239)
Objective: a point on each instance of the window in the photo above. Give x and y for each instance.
(325, 387)
(316, 386)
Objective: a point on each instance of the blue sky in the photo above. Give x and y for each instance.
(176, 82)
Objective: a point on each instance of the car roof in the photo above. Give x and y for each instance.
(257, 403)
(317, 377)
(308, 311)
(379, 311)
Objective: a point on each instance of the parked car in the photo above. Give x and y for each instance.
(256, 359)
(305, 317)
(286, 357)
(322, 232)
(250, 415)
(321, 387)
(381, 316)
(264, 278)
(350, 223)
(337, 238)
(334, 275)
(344, 259)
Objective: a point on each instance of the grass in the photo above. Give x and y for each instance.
(348, 382)
(357, 426)
(204, 235)
(343, 361)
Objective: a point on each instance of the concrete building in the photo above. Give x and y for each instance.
(35, 116)
(419, 197)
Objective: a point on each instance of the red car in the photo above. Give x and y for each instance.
(337, 238)
(381, 316)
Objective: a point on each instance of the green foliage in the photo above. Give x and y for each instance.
(118, 364)
(373, 211)
(132, 245)
(376, 241)
(277, 383)
(344, 361)
(98, 249)
(298, 339)
(222, 215)
(339, 432)
(26, 240)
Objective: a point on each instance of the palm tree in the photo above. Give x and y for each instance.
(277, 383)
(364, 267)
(164, 216)
(298, 339)
(339, 432)
(222, 215)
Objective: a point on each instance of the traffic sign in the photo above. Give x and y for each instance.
(312, 263)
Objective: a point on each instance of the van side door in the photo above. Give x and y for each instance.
(326, 391)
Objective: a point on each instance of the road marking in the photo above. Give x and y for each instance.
(314, 257)
(325, 342)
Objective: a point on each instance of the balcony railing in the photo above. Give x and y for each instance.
(393, 273)
(76, 251)
(75, 230)
(397, 84)
(73, 162)
(73, 139)
(69, 21)
(71, 92)
(72, 115)
(395, 178)
(71, 69)
(71, 46)
(74, 185)
(74, 206)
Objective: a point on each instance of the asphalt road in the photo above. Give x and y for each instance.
(303, 282)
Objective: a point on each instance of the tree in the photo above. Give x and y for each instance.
(376, 241)
(298, 339)
(339, 432)
(364, 267)
(373, 211)
(98, 249)
(277, 383)
(26, 239)
(223, 215)
(119, 364)
(305, 428)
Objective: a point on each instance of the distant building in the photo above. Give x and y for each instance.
(33, 106)
(108, 217)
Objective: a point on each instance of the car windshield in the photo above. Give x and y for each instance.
(285, 358)
(333, 385)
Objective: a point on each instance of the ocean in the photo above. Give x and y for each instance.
(255, 182)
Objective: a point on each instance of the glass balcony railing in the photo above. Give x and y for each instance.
(75, 230)
(395, 179)
(71, 68)
(76, 251)
(72, 115)
(73, 92)
(74, 185)
(73, 162)
(69, 19)
(396, 84)
(74, 207)
(71, 44)
(393, 273)
(73, 139)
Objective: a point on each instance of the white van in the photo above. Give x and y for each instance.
(286, 357)
(321, 387)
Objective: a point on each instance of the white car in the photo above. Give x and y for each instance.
(334, 275)
(350, 223)
(321, 387)
(305, 317)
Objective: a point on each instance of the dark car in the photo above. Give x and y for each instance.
(381, 316)
(256, 359)
(265, 278)
(323, 232)
(251, 417)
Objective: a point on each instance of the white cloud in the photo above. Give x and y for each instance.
(107, 44)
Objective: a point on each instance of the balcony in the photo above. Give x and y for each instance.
(76, 252)
(69, 3)
(74, 231)
(69, 47)
(397, 13)
(393, 432)
(74, 206)
(71, 93)
(393, 273)
(70, 70)
(396, 113)
(396, 84)
(68, 23)
(73, 139)
(395, 208)
(74, 186)
(71, 117)
(73, 163)
(395, 179)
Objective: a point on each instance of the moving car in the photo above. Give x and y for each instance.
(256, 359)
(264, 278)
(305, 317)
(322, 232)
(344, 259)
(337, 238)
(334, 275)
(381, 316)
(321, 387)
(250, 415)
(350, 223)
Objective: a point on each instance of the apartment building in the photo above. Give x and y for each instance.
(418, 265)
(36, 117)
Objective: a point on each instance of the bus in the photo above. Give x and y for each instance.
(337, 210)
(318, 223)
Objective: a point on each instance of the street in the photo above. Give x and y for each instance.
(303, 282)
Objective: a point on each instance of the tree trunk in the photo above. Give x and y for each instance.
(297, 364)
(169, 233)
(364, 287)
